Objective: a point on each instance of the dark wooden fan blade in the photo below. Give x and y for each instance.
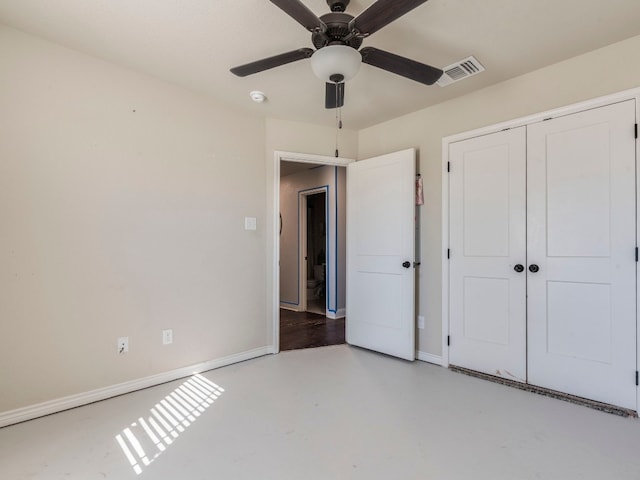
(334, 97)
(301, 14)
(382, 13)
(401, 66)
(271, 62)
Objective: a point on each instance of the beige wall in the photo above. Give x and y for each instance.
(598, 73)
(287, 136)
(122, 205)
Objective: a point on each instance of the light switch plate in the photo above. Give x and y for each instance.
(250, 223)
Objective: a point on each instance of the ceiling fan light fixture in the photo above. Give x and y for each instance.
(335, 60)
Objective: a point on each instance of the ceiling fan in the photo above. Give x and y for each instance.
(337, 36)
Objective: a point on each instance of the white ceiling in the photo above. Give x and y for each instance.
(193, 43)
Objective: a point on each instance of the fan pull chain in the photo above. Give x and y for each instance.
(338, 119)
(338, 127)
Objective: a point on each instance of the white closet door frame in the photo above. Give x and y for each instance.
(567, 110)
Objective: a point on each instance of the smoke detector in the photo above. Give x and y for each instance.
(257, 96)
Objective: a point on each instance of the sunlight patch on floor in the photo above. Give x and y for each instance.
(145, 440)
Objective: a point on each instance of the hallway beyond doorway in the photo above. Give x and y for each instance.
(306, 330)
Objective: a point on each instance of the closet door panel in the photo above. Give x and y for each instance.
(578, 188)
(487, 230)
(581, 236)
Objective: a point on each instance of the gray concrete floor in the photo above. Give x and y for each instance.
(326, 413)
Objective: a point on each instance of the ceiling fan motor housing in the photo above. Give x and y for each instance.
(338, 5)
(337, 32)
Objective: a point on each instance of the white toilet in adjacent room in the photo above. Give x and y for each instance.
(311, 285)
(315, 285)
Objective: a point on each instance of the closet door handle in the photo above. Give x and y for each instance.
(519, 268)
(533, 268)
(406, 264)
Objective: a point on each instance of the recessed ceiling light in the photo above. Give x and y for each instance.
(257, 96)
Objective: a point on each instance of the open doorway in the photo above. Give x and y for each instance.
(312, 266)
(314, 246)
(382, 194)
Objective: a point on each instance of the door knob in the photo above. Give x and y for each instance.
(406, 264)
(533, 268)
(519, 268)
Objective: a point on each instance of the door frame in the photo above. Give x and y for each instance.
(631, 94)
(303, 251)
(279, 156)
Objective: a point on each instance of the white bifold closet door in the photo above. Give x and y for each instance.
(542, 268)
(581, 235)
(487, 181)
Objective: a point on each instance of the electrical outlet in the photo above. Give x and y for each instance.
(167, 336)
(420, 321)
(123, 344)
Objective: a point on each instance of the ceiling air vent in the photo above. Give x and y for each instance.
(460, 70)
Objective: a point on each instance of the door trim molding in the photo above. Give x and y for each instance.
(631, 94)
(279, 156)
(429, 358)
(597, 102)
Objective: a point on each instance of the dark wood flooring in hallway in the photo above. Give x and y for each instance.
(306, 330)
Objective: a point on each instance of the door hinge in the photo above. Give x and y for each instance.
(636, 378)
(448, 166)
(636, 130)
(449, 342)
(636, 254)
(448, 253)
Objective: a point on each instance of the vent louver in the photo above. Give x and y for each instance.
(460, 70)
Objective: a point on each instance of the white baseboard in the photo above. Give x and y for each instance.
(53, 406)
(340, 313)
(430, 358)
(289, 306)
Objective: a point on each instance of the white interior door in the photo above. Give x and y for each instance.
(380, 254)
(581, 237)
(487, 185)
